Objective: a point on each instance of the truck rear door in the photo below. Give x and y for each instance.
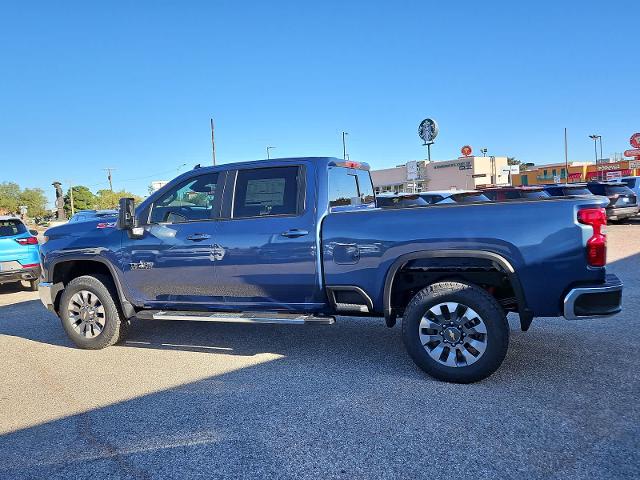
(265, 242)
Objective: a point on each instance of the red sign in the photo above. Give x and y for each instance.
(635, 140)
(575, 177)
(466, 150)
(611, 174)
(632, 153)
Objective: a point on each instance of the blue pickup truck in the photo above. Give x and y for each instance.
(300, 240)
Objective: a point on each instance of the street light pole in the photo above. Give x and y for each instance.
(268, 155)
(344, 145)
(595, 138)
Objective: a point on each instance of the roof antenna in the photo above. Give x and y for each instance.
(197, 166)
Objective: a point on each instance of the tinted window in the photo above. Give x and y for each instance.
(511, 194)
(187, 202)
(469, 197)
(264, 192)
(577, 191)
(535, 194)
(431, 199)
(9, 228)
(631, 182)
(491, 195)
(365, 187)
(617, 189)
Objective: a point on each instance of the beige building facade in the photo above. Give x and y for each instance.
(461, 174)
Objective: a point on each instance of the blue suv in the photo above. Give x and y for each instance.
(19, 253)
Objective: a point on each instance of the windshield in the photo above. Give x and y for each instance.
(618, 190)
(470, 197)
(535, 194)
(9, 228)
(577, 191)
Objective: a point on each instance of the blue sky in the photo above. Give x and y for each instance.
(131, 85)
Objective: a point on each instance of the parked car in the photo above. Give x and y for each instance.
(19, 259)
(633, 183)
(400, 200)
(84, 215)
(278, 252)
(513, 193)
(623, 203)
(454, 196)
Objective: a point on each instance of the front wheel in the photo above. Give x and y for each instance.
(89, 312)
(455, 332)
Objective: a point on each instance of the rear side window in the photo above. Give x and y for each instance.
(264, 192)
(630, 182)
(470, 197)
(190, 201)
(9, 228)
(349, 188)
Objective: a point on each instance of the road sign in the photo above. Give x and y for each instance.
(635, 140)
(412, 170)
(428, 130)
(614, 175)
(556, 179)
(466, 150)
(634, 163)
(632, 153)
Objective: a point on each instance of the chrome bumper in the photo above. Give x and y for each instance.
(594, 301)
(48, 292)
(617, 213)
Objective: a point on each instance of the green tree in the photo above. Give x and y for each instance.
(35, 201)
(106, 199)
(9, 196)
(515, 161)
(83, 199)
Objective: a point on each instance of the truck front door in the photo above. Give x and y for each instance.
(266, 252)
(173, 263)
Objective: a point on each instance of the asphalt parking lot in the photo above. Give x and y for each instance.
(195, 400)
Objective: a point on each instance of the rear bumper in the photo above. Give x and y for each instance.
(600, 300)
(618, 213)
(18, 275)
(48, 292)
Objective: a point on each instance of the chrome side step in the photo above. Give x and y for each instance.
(237, 317)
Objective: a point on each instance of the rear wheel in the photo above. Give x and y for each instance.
(455, 332)
(90, 314)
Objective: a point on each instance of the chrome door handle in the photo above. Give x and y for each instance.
(198, 237)
(295, 233)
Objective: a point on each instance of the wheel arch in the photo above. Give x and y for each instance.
(65, 269)
(526, 315)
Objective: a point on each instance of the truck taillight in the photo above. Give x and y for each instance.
(27, 241)
(597, 244)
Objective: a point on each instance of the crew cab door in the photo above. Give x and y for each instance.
(173, 263)
(265, 244)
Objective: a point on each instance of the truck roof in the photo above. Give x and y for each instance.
(326, 161)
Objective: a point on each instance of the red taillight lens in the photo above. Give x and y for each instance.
(27, 241)
(597, 244)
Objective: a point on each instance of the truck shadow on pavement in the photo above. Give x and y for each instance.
(345, 401)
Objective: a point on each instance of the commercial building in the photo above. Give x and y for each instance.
(462, 173)
(607, 169)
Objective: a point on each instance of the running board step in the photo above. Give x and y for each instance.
(243, 317)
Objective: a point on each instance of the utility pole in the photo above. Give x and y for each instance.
(213, 143)
(268, 149)
(109, 170)
(344, 145)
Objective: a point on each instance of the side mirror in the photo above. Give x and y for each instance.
(126, 214)
(34, 232)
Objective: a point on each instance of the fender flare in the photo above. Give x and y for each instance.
(127, 307)
(526, 315)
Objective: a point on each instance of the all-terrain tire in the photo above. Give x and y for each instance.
(496, 339)
(115, 325)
